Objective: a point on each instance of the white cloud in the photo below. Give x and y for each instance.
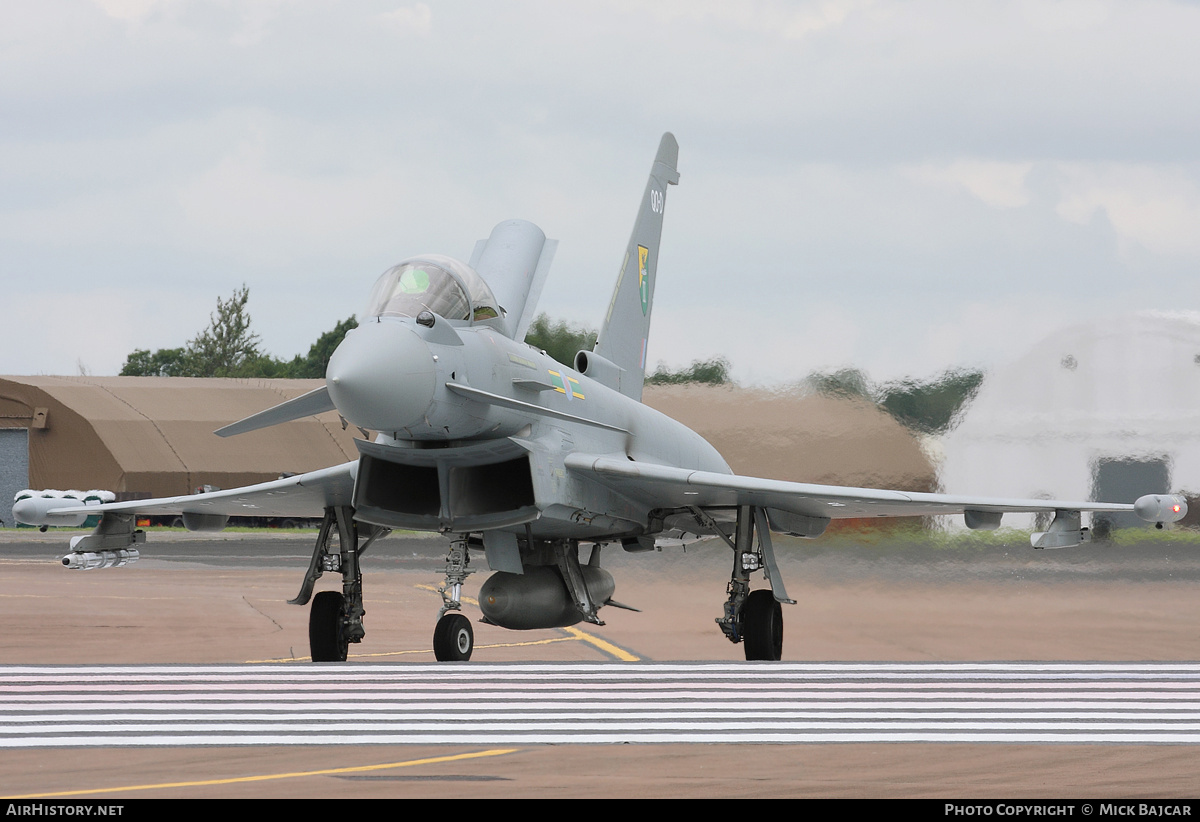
(998, 184)
(789, 20)
(416, 19)
(1154, 205)
(127, 9)
(1066, 15)
(869, 170)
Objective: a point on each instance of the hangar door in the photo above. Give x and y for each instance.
(1124, 480)
(14, 469)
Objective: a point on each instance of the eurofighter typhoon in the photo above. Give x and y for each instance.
(482, 438)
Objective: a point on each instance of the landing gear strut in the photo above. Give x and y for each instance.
(567, 556)
(336, 620)
(753, 618)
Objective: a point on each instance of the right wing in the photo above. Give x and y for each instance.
(314, 402)
(304, 495)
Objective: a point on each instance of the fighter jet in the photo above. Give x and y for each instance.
(489, 441)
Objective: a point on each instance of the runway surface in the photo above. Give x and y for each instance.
(566, 703)
(988, 642)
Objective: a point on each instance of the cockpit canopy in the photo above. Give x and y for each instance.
(447, 287)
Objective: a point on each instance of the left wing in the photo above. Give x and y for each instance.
(804, 508)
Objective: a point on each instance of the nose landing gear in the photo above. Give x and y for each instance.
(453, 637)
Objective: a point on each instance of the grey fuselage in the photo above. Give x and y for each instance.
(474, 427)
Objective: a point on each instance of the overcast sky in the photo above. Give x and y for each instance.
(897, 186)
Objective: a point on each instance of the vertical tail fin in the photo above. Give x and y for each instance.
(626, 329)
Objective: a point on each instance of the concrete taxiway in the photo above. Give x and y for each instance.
(205, 601)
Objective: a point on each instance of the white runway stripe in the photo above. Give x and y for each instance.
(489, 704)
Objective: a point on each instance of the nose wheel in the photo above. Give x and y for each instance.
(453, 639)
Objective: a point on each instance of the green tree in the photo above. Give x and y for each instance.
(314, 365)
(709, 372)
(931, 406)
(227, 348)
(925, 406)
(560, 340)
(165, 362)
(848, 383)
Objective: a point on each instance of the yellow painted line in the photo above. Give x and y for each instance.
(426, 651)
(572, 635)
(267, 777)
(477, 647)
(433, 588)
(606, 647)
(138, 598)
(549, 641)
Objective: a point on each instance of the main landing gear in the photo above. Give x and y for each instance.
(336, 620)
(753, 618)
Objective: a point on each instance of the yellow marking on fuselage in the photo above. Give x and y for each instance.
(565, 382)
(433, 760)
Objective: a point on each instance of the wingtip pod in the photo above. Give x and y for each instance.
(1161, 508)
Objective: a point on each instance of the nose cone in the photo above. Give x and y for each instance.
(382, 376)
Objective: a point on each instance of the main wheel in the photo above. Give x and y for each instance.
(762, 626)
(453, 639)
(326, 641)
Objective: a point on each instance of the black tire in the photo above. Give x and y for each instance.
(326, 642)
(762, 626)
(453, 639)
